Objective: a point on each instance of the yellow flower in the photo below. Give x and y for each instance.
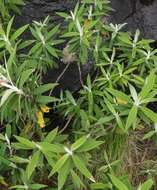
(121, 101)
(40, 119)
(45, 109)
(40, 115)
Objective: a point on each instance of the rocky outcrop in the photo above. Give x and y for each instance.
(39, 9)
(141, 14)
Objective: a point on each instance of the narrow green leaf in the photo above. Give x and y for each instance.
(9, 26)
(37, 186)
(70, 98)
(104, 120)
(110, 107)
(44, 88)
(99, 186)
(19, 146)
(89, 145)
(46, 99)
(131, 117)
(117, 183)
(51, 50)
(134, 94)
(25, 142)
(5, 96)
(146, 185)
(51, 135)
(32, 164)
(149, 135)
(19, 32)
(59, 164)
(82, 168)
(18, 159)
(35, 48)
(51, 147)
(24, 77)
(63, 174)
(79, 143)
(52, 32)
(148, 86)
(62, 14)
(150, 114)
(70, 34)
(76, 180)
(119, 94)
(18, 187)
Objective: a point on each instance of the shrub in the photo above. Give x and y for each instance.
(111, 104)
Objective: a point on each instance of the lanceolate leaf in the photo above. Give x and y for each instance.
(146, 185)
(81, 167)
(19, 32)
(110, 107)
(59, 164)
(150, 114)
(131, 117)
(25, 76)
(51, 135)
(32, 164)
(76, 180)
(117, 183)
(46, 99)
(148, 86)
(37, 186)
(99, 186)
(51, 50)
(134, 94)
(63, 174)
(9, 27)
(44, 88)
(79, 143)
(5, 96)
(149, 135)
(25, 142)
(52, 32)
(51, 147)
(89, 145)
(119, 94)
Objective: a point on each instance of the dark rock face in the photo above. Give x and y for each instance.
(141, 14)
(71, 79)
(39, 9)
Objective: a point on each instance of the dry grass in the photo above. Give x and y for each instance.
(140, 158)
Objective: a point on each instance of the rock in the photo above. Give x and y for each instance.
(71, 78)
(141, 14)
(39, 9)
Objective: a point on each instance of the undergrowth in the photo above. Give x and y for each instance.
(107, 139)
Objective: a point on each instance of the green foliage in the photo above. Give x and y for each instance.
(147, 185)
(110, 106)
(7, 5)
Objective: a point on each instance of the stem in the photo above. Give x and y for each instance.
(80, 75)
(66, 125)
(60, 76)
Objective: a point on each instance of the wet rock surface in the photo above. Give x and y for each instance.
(140, 14)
